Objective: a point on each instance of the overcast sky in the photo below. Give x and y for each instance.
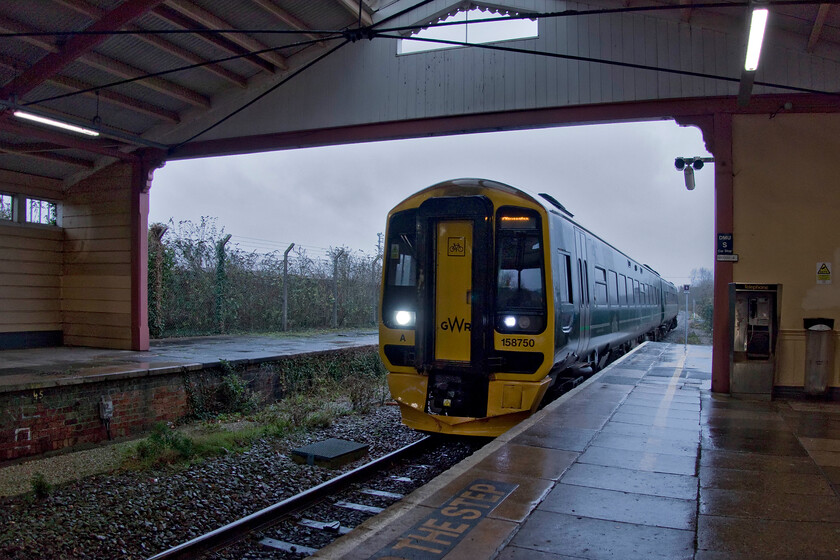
(617, 179)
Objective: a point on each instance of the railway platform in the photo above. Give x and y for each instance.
(641, 461)
(53, 398)
(44, 367)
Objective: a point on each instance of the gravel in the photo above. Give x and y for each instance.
(132, 515)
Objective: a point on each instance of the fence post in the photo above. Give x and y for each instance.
(221, 282)
(286, 287)
(336, 255)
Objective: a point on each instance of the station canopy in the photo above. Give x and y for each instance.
(158, 74)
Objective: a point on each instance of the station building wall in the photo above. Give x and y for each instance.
(785, 209)
(69, 283)
(97, 278)
(30, 269)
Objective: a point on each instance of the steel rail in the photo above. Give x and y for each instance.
(232, 532)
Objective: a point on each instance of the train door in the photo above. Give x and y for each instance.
(454, 330)
(583, 282)
(453, 286)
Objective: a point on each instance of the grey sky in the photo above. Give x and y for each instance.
(618, 180)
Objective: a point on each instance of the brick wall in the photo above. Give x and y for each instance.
(41, 420)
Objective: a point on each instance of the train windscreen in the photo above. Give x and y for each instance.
(520, 285)
(399, 301)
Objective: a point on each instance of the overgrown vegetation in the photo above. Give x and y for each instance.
(701, 298)
(200, 284)
(41, 488)
(314, 391)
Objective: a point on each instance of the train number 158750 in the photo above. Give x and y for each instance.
(518, 342)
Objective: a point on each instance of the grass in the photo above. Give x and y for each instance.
(316, 392)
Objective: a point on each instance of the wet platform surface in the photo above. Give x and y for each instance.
(44, 367)
(640, 462)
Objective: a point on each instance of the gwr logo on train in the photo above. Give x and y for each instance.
(456, 324)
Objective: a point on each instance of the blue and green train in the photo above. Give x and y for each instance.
(490, 293)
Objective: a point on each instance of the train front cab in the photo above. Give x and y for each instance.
(466, 329)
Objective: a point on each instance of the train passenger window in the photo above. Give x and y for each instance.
(622, 289)
(520, 276)
(613, 288)
(629, 286)
(637, 292)
(643, 293)
(562, 279)
(600, 286)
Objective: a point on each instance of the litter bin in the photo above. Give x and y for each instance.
(819, 354)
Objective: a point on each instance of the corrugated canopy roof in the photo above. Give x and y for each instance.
(137, 70)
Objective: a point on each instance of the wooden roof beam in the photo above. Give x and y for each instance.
(108, 96)
(819, 21)
(66, 140)
(353, 7)
(42, 150)
(287, 18)
(172, 17)
(94, 12)
(212, 21)
(111, 66)
(75, 47)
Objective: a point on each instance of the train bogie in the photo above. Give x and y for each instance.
(489, 292)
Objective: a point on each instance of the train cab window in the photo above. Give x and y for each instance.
(399, 299)
(520, 282)
(520, 278)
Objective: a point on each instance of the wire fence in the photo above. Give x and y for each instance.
(202, 281)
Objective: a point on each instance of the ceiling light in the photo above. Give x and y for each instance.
(758, 22)
(55, 123)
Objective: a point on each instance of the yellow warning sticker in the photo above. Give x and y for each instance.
(823, 273)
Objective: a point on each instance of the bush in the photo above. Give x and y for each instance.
(197, 286)
(41, 488)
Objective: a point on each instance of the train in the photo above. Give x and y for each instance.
(490, 295)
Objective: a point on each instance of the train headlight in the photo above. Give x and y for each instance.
(404, 318)
(524, 323)
(510, 321)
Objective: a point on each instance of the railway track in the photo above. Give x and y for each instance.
(301, 524)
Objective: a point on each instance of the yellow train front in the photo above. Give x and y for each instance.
(478, 304)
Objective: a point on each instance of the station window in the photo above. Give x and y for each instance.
(41, 212)
(467, 27)
(6, 212)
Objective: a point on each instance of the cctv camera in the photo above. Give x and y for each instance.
(689, 177)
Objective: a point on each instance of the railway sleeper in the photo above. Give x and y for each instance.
(284, 546)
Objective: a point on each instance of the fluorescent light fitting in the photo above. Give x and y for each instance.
(758, 22)
(55, 123)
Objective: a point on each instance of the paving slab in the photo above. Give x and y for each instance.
(639, 482)
(776, 506)
(584, 537)
(626, 507)
(645, 444)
